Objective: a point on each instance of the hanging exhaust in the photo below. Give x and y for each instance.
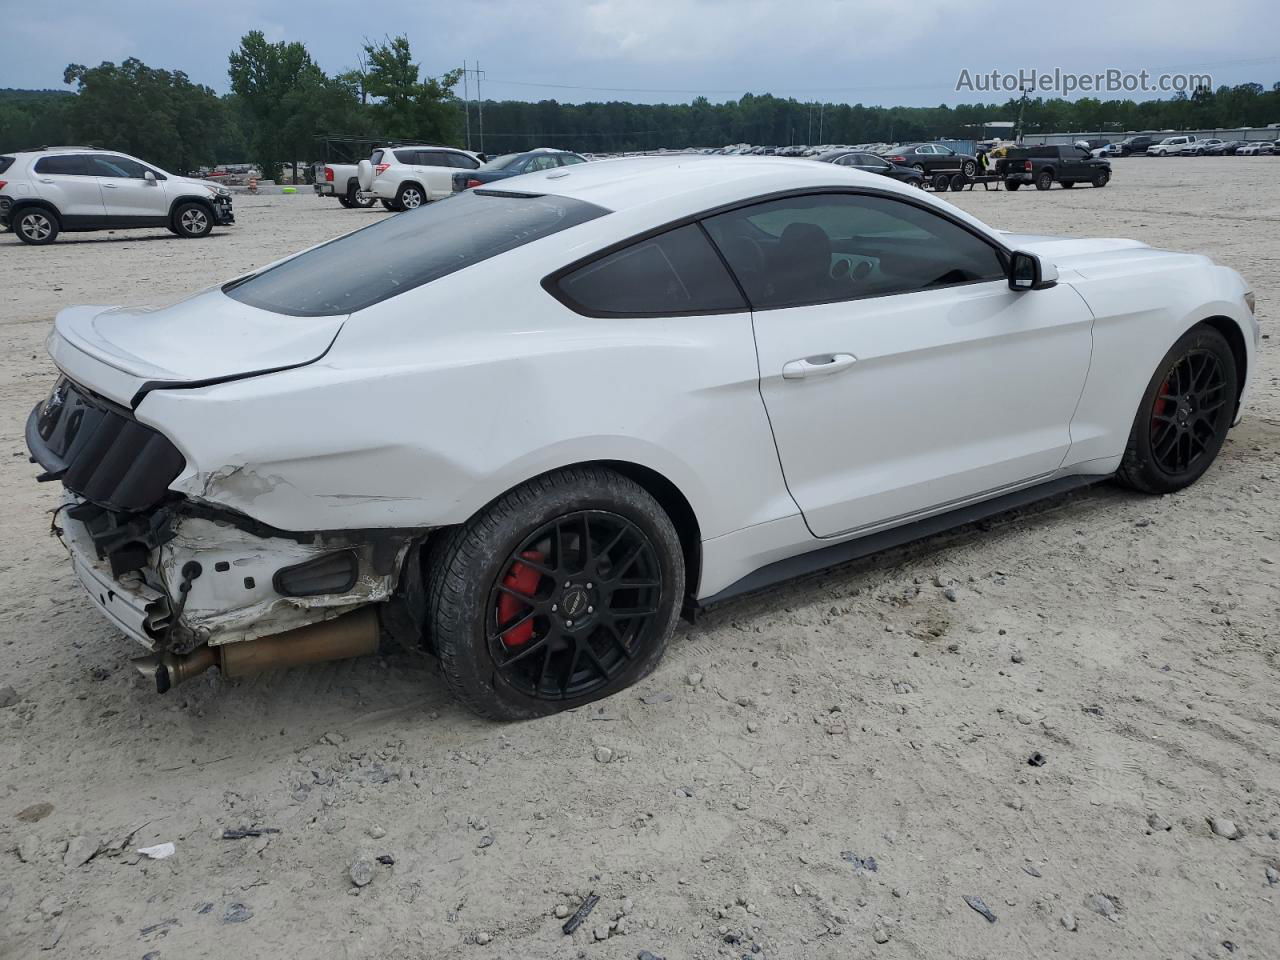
(351, 635)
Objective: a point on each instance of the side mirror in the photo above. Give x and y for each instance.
(1029, 272)
(150, 178)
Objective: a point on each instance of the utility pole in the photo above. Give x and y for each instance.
(1022, 106)
(822, 108)
(480, 103)
(466, 102)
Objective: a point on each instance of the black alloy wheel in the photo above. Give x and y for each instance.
(560, 592)
(578, 601)
(1188, 409)
(1184, 415)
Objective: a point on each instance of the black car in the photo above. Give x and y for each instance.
(514, 164)
(873, 164)
(1131, 145)
(1227, 148)
(933, 158)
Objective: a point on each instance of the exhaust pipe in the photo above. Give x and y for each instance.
(351, 635)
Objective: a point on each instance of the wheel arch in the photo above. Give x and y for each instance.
(179, 201)
(1234, 336)
(27, 203)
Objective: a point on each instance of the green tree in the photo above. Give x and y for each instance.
(407, 106)
(155, 114)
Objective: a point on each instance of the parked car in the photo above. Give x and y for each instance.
(933, 158)
(500, 475)
(1201, 147)
(405, 178)
(1136, 145)
(341, 180)
(1172, 146)
(77, 189)
(870, 163)
(1227, 148)
(514, 164)
(1107, 151)
(1257, 148)
(1046, 165)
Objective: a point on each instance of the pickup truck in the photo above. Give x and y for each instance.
(1043, 166)
(340, 180)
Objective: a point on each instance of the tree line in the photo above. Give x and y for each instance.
(282, 105)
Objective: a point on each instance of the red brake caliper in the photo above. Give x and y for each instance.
(1162, 402)
(523, 579)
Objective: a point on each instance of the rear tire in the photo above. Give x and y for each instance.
(1185, 413)
(35, 226)
(1044, 181)
(410, 196)
(1068, 184)
(191, 221)
(1012, 184)
(388, 205)
(344, 200)
(355, 200)
(530, 659)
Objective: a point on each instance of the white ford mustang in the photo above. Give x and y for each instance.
(526, 427)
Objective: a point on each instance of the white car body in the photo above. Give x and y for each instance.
(1199, 148)
(423, 172)
(1172, 146)
(785, 431)
(89, 189)
(1257, 148)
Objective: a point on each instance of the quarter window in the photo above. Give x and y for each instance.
(827, 247)
(568, 158)
(673, 273)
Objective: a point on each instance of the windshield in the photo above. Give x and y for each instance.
(406, 251)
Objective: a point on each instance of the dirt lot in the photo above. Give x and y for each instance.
(743, 789)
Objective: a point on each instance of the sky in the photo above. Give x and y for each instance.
(889, 52)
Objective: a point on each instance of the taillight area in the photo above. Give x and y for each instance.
(328, 174)
(897, 159)
(474, 183)
(1026, 165)
(380, 169)
(2, 184)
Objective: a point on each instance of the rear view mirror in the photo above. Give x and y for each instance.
(1029, 272)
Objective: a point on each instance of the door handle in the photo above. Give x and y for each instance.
(111, 186)
(46, 179)
(819, 365)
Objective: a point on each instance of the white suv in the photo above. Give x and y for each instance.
(1171, 147)
(407, 177)
(44, 192)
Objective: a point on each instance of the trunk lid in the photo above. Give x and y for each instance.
(121, 352)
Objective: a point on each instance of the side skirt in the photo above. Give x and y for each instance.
(826, 557)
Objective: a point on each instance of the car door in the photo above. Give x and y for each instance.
(900, 373)
(130, 198)
(67, 181)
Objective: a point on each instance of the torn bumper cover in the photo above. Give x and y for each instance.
(176, 574)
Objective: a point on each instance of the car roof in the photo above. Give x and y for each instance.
(677, 185)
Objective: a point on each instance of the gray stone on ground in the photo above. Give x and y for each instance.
(361, 871)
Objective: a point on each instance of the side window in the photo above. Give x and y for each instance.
(120, 168)
(65, 164)
(462, 161)
(568, 158)
(408, 156)
(541, 163)
(673, 273)
(376, 157)
(838, 246)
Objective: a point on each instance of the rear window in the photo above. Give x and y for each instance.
(376, 157)
(67, 164)
(677, 272)
(406, 251)
(5, 163)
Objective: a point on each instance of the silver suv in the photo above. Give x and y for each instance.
(54, 189)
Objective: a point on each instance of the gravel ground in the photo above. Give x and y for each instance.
(829, 770)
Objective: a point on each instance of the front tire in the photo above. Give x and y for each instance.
(35, 226)
(969, 168)
(191, 221)
(561, 592)
(1101, 178)
(389, 205)
(1012, 184)
(1184, 415)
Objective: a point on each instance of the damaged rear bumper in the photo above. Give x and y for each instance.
(201, 579)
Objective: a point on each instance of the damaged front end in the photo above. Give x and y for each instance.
(199, 584)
